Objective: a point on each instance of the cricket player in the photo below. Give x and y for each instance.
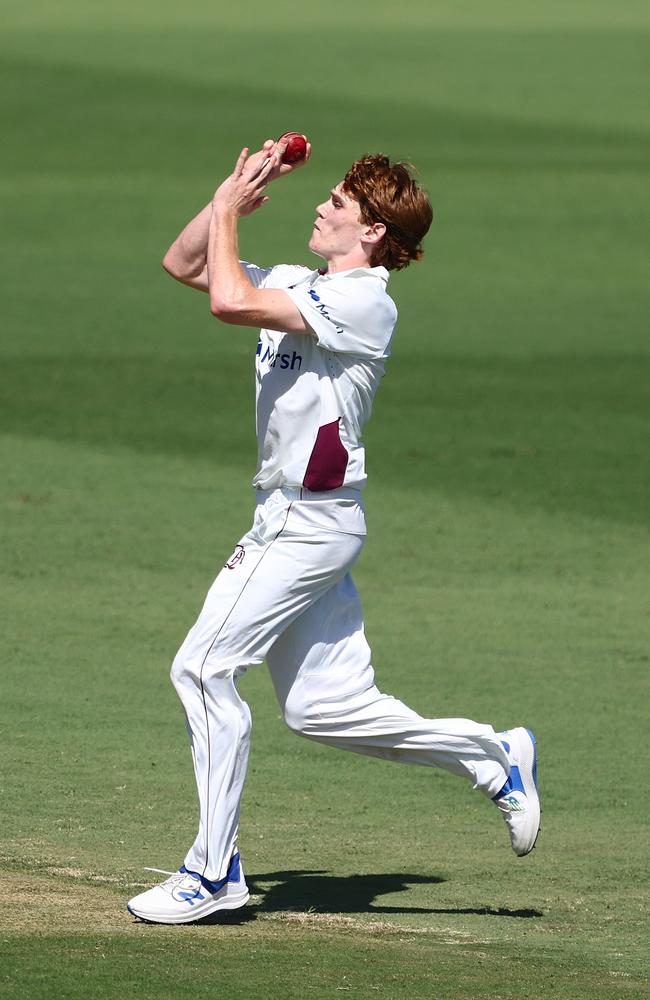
(285, 595)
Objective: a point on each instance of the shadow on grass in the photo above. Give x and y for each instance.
(319, 892)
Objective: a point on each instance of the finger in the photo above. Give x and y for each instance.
(255, 205)
(260, 164)
(268, 165)
(257, 190)
(263, 174)
(241, 160)
(254, 162)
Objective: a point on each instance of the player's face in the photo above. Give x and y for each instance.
(338, 228)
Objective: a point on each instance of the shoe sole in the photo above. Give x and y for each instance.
(192, 916)
(527, 753)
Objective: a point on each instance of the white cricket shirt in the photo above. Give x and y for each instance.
(315, 393)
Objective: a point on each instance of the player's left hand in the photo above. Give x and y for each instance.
(276, 148)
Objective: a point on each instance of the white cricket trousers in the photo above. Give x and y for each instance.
(286, 596)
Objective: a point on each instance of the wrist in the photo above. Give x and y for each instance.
(222, 210)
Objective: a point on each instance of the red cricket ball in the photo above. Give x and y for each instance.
(296, 147)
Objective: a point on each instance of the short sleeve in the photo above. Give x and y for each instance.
(349, 315)
(256, 275)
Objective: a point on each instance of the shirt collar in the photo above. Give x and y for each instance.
(375, 272)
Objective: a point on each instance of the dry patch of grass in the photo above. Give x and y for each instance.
(80, 873)
(38, 904)
(335, 921)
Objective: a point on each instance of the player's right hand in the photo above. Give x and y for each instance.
(243, 192)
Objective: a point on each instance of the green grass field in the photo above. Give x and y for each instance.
(506, 572)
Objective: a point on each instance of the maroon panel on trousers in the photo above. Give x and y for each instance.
(328, 460)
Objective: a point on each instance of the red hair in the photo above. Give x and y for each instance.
(387, 192)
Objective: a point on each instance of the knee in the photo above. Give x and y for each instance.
(298, 713)
(196, 672)
(180, 672)
(217, 691)
(186, 671)
(245, 720)
(192, 667)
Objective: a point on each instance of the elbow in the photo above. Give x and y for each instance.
(168, 265)
(218, 306)
(227, 310)
(171, 266)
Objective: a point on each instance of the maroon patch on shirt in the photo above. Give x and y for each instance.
(328, 460)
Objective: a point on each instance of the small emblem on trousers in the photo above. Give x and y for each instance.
(236, 557)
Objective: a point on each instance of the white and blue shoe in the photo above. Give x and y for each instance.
(187, 896)
(518, 800)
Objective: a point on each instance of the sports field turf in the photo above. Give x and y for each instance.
(506, 572)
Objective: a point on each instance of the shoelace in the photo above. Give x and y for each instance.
(174, 879)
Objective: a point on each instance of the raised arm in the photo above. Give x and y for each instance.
(233, 299)
(186, 259)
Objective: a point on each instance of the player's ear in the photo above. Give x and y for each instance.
(374, 233)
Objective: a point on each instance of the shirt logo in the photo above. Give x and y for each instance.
(321, 308)
(290, 361)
